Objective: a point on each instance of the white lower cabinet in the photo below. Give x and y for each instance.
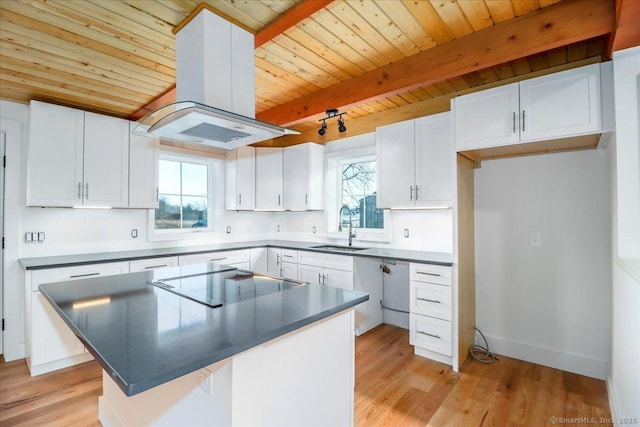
(326, 269)
(152, 263)
(283, 263)
(431, 311)
(50, 343)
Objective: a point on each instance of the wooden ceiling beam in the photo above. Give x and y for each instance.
(290, 18)
(567, 22)
(627, 30)
(166, 98)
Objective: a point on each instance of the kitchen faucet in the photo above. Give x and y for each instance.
(351, 234)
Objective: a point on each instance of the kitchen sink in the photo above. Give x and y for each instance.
(338, 248)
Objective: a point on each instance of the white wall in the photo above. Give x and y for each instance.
(623, 380)
(547, 304)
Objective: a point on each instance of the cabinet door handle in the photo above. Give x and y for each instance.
(279, 200)
(430, 300)
(523, 120)
(157, 194)
(306, 199)
(80, 190)
(427, 274)
(278, 259)
(240, 199)
(429, 335)
(149, 267)
(320, 281)
(411, 193)
(417, 193)
(324, 279)
(86, 191)
(514, 122)
(75, 276)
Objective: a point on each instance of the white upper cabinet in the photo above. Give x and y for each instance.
(54, 165)
(106, 161)
(304, 177)
(415, 163)
(76, 158)
(269, 179)
(240, 168)
(143, 171)
(558, 105)
(487, 118)
(396, 165)
(561, 104)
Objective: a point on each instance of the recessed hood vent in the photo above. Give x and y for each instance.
(192, 122)
(215, 88)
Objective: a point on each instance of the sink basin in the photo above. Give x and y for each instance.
(338, 248)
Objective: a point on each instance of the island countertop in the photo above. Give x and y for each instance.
(144, 336)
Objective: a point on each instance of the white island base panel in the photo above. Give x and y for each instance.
(305, 377)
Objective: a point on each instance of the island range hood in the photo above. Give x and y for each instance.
(215, 89)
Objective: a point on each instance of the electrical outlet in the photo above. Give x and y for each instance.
(314, 229)
(406, 233)
(278, 228)
(535, 238)
(28, 237)
(134, 233)
(40, 236)
(228, 229)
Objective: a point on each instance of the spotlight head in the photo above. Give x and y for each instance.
(323, 128)
(341, 126)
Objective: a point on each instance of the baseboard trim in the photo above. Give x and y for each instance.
(548, 357)
(613, 402)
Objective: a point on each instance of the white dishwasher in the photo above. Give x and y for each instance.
(395, 293)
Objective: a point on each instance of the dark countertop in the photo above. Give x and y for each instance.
(438, 258)
(144, 336)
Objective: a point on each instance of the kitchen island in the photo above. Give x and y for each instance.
(259, 351)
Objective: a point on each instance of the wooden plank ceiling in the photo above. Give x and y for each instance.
(365, 57)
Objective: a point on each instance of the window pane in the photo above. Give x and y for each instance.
(194, 179)
(168, 212)
(169, 176)
(358, 193)
(194, 212)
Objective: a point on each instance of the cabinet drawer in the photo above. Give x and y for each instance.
(431, 300)
(63, 274)
(431, 334)
(431, 273)
(289, 255)
(337, 262)
(223, 257)
(152, 263)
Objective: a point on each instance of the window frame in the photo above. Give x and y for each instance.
(335, 162)
(215, 201)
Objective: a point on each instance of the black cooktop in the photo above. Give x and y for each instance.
(222, 286)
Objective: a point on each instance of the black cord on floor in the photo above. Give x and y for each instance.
(480, 353)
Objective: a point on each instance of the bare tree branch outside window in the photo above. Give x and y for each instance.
(359, 194)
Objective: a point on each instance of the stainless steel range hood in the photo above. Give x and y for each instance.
(215, 89)
(192, 122)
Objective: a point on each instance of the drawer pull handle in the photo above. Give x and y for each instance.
(430, 300)
(428, 334)
(287, 256)
(428, 274)
(217, 259)
(75, 276)
(155, 266)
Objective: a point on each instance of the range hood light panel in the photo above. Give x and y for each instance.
(189, 121)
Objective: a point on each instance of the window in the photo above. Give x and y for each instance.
(183, 194)
(358, 180)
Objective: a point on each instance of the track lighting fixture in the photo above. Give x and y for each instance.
(323, 128)
(331, 113)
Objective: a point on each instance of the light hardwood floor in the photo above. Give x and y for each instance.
(393, 388)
